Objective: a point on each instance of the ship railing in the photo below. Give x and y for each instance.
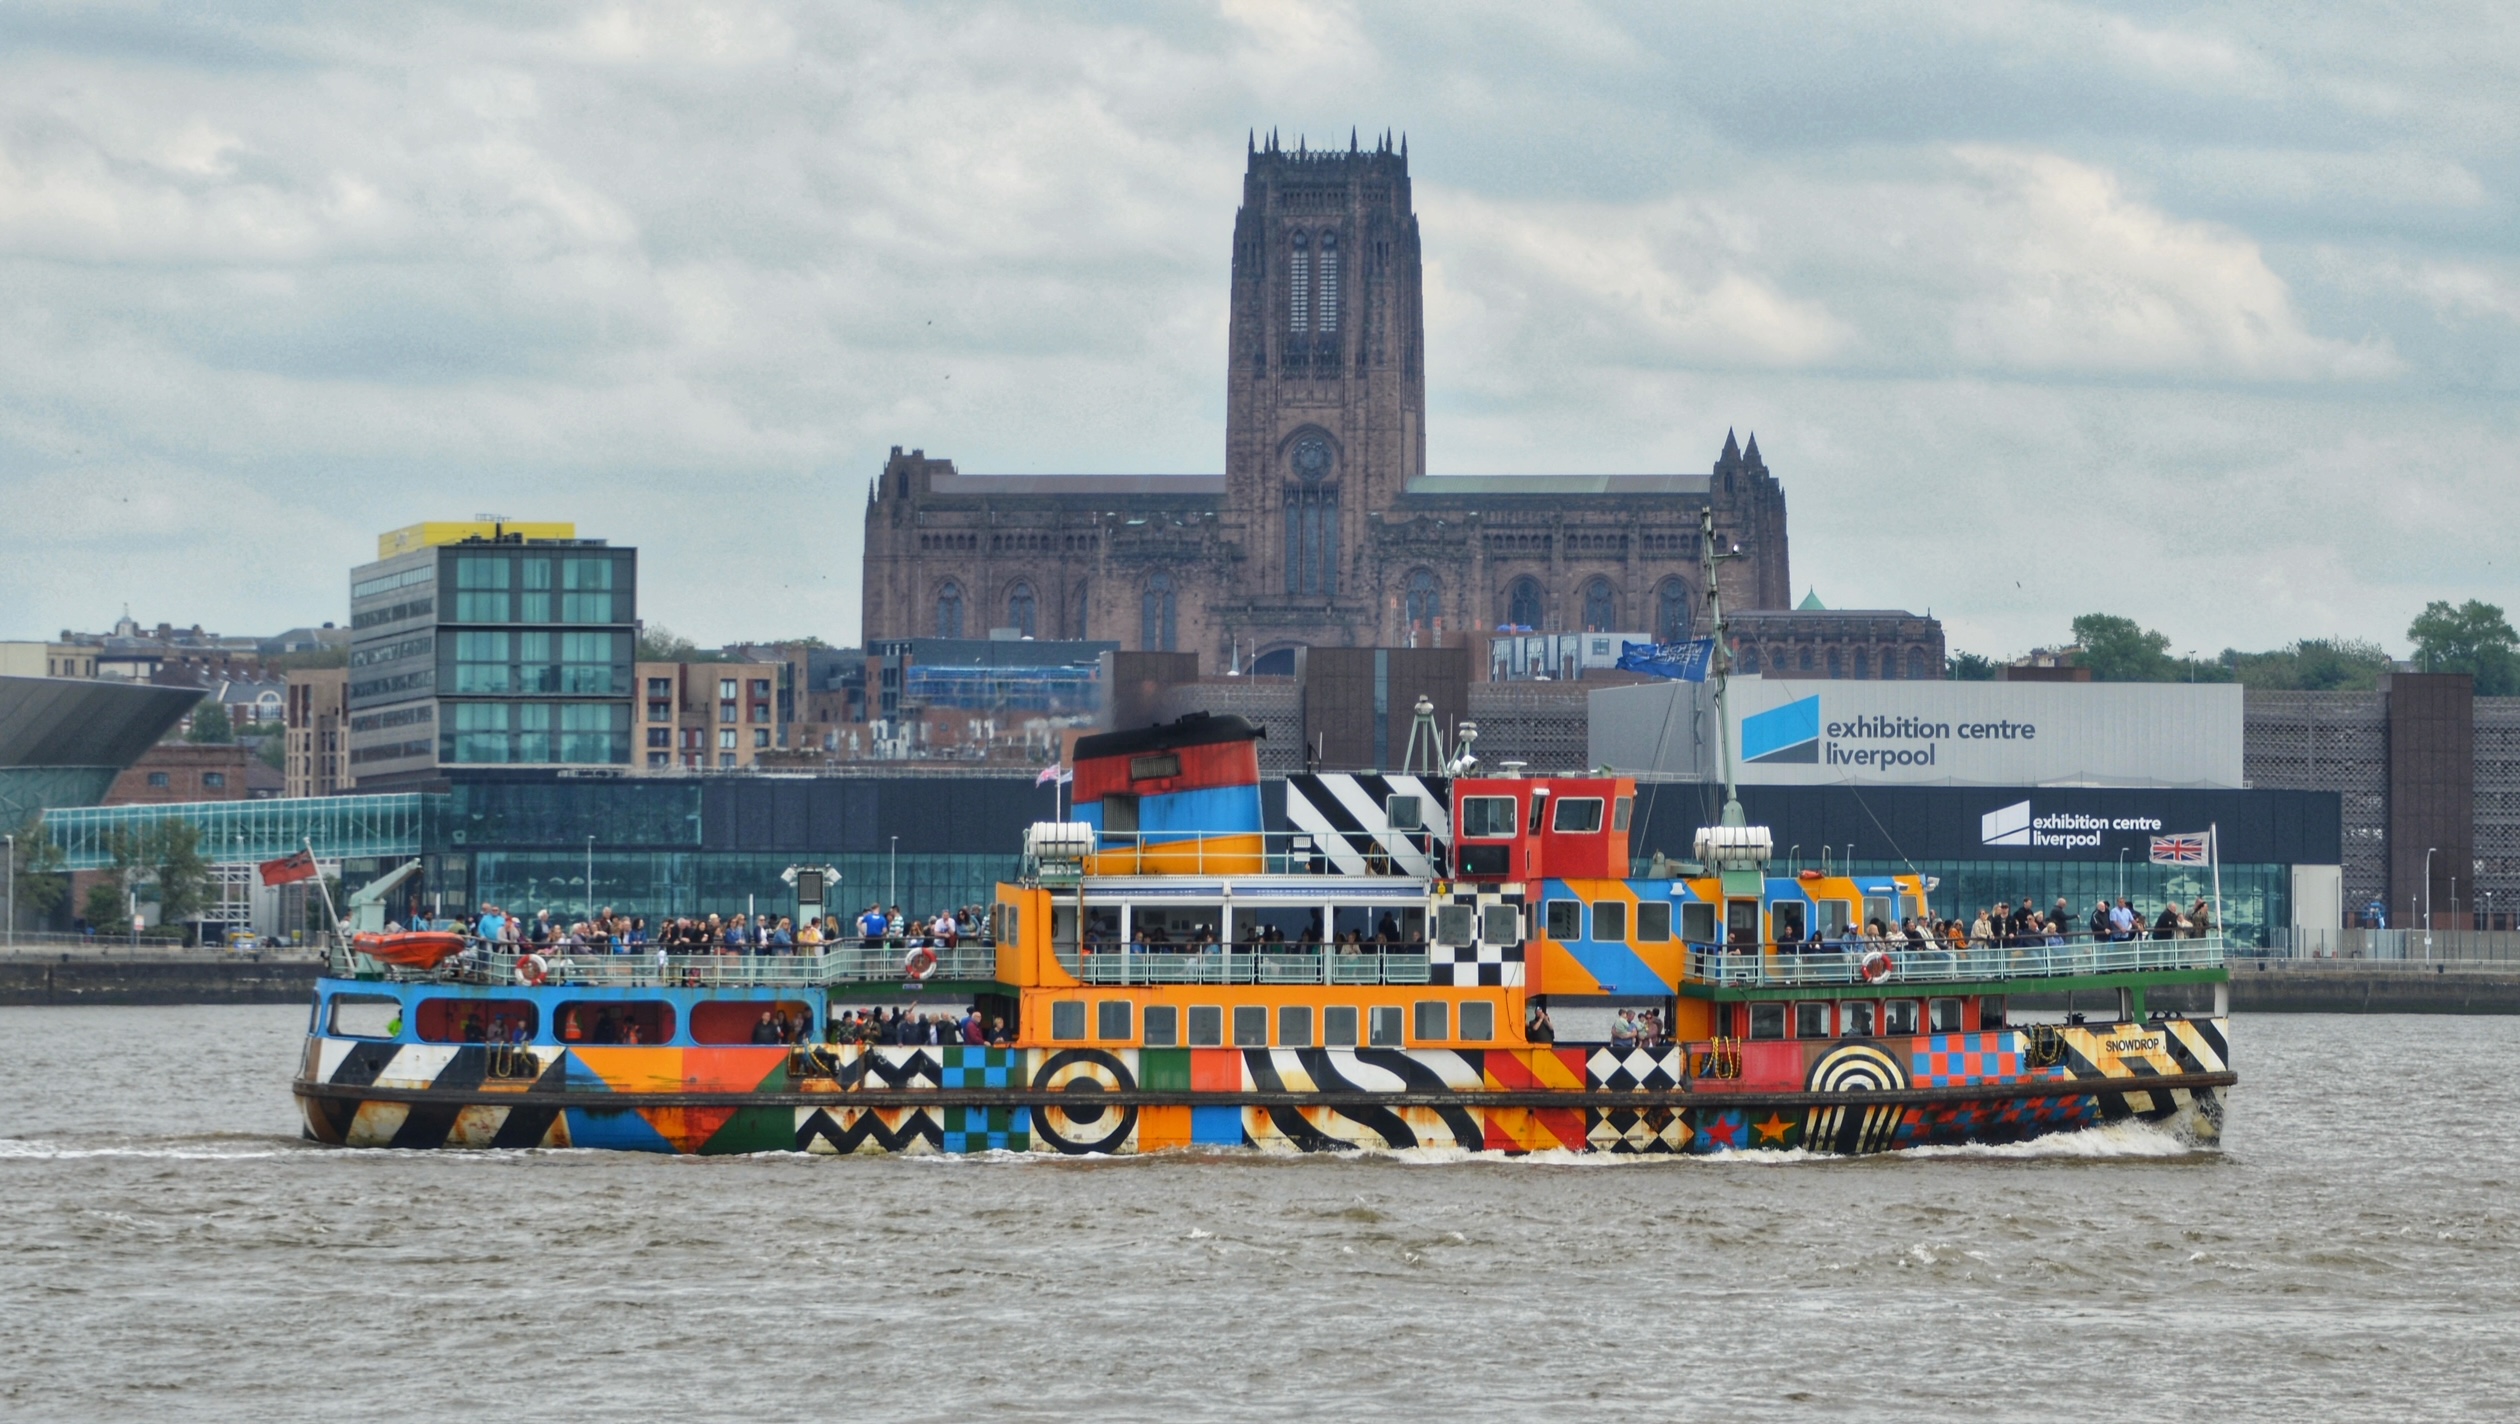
(1765, 965)
(641, 968)
(1362, 852)
(1396, 964)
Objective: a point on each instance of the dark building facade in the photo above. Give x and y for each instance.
(1325, 529)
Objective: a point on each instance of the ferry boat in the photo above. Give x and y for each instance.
(1172, 974)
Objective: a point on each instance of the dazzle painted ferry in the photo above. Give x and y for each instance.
(1455, 961)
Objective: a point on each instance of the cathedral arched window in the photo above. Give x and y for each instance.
(949, 611)
(1522, 603)
(1601, 607)
(1329, 282)
(1155, 614)
(1672, 612)
(1312, 519)
(1425, 603)
(1917, 665)
(1084, 602)
(1299, 286)
(1836, 668)
(1750, 659)
(1021, 610)
(1806, 660)
(1863, 662)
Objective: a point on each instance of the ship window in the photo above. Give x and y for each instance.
(1836, 914)
(1207, 1026)
(1383, 1027)
(1009, 925)
(1785, 921)
(1877, 907)
(1338, 1026)
(1120, 813)
(1067, 1020)
(1154, 768)
(1856, 1020)
(446, 1020)
(1503, 924)
(615, 1021)
(1163, 1026)
(1620, 812)
(1653, 922)
(1697, 922)
(1566, 919)
(1251, 1025)
(1402, 813)
(1295, 1026)
(1434, 1021)
(1898, 1016)
(1944, 1014)
(1811, 1020)
(365, 1016)
(738, 1020)
(1494, 862)
(1455, 924)
(1478, 1021)
(1578, 815)
(1610, 921)
(1991, 1012)
(1111, 1020)
(1767, 1020)
(1487, 815)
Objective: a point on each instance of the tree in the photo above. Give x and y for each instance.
(106, 908)
(2118, 650)
(41, 883)
(166, 854)
(273, 750)
(2473, 638)
(660, 644)
(210, 724)
(2311, 665)
(1972, 667)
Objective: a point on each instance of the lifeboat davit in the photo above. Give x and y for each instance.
(414, 949)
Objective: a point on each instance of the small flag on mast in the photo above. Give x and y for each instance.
(1684, 662)
(289, 869)
(1049, 774)
(2179, 850)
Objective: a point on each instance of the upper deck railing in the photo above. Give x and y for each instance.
(1116, 853)
(1760, 966)
(1247, 964)
(645, 968)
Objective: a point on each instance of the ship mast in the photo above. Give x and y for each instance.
(1719, 661)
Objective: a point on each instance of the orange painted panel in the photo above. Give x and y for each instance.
(688, 1129)
(1554, 971)
(634, 1070)
(1216, 1070)
(1163, 1127)
(732, 1070)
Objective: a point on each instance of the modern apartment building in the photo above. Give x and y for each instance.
(484, 644)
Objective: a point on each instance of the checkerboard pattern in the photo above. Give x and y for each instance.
(981, 1068)
(1963, 1060)
(1636, 1068)
(1467, 966)
(987, 1129)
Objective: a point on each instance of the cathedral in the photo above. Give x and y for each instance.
(1325, 528)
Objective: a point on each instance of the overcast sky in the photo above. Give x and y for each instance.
(2207, 315)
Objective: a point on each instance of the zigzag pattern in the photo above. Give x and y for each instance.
(851, 1130)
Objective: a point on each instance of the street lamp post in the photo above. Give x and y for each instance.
(892, 867)
(12, 840)
(2428, 855)
(588, 912)
(2121, 870)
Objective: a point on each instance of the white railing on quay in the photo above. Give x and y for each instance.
(1244, 966)
(1765, 965)
(2410, 946)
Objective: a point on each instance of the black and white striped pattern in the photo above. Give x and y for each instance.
(1345, 815)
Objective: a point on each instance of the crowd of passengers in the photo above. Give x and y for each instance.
(2005, 925)
(611, 932)
(1260, 939)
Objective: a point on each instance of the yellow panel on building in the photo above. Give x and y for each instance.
(456, 531)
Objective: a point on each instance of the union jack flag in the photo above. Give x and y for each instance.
(2178, 850)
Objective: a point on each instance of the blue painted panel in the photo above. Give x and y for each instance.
(1216, 1127)
(622, 1130)
(1221, 810)
(1612, 963)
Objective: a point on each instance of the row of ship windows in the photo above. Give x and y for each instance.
(1427, 1021)
(601, 1021)
(1869, 1018)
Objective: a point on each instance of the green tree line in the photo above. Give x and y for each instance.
(2472, 637)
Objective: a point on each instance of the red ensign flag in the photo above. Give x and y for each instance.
(287, 869)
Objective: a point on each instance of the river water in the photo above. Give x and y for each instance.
(169, 1247)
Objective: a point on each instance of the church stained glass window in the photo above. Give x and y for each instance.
(1425, 605)
(949, 611)
(1312, 520)
(1672, 613)
(1156, 615)
(1021, 609)
(1601, 608)
(1299, 287)
(1329, 283)
(1522, 603)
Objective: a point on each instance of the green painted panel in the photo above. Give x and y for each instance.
(1164, 1069)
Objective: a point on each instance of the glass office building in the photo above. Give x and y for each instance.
(491, 651)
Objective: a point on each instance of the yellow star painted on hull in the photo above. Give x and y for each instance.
(1775, 1127)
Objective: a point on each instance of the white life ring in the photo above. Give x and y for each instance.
(532, 969)
(919, 963)
(1878, 967)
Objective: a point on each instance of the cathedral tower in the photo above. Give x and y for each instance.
(1326, 382)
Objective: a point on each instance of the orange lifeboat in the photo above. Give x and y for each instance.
(415, 949)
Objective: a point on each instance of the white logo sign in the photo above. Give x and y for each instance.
(2008, 826)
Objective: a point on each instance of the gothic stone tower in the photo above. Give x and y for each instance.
(1325, 403)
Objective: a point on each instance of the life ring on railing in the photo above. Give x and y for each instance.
(532, 969)
(1877, 967)
(919, 963)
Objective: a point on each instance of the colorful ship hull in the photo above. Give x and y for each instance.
(1845, 1096)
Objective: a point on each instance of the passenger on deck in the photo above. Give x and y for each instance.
(2122, 921)
(2098, 924)
(972, 1032)
(1623, 1031)
(1537, 1028)
(1387, 930)
(871, 928)
(763, 1031)
(2200, 919)
(2169, 924)
(998, 1037)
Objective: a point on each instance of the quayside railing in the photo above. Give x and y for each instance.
(1752, 966)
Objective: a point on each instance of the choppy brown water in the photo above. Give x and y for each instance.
(168, 1247)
